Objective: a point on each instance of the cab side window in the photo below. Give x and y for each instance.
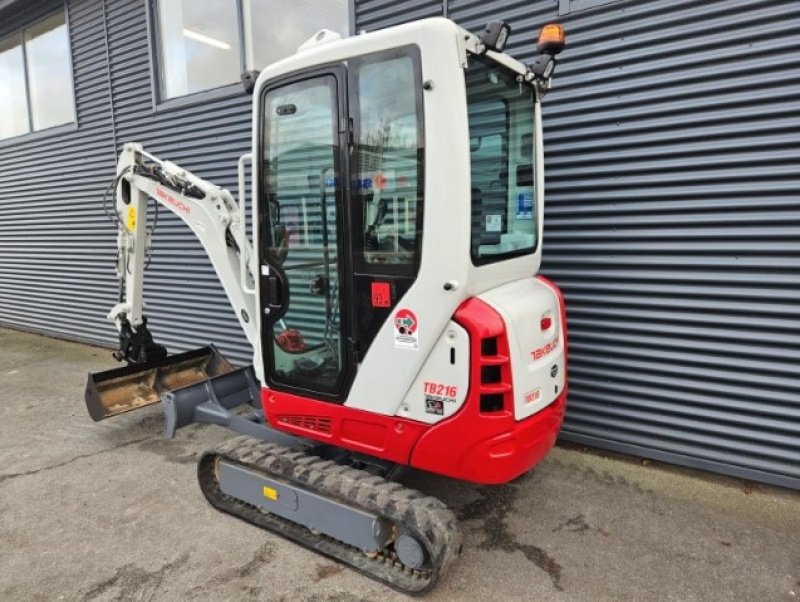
(500, 112)
(387, 157)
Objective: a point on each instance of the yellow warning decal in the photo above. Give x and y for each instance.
(270, 493)
(131, 218)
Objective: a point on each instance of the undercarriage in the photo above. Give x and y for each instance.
(387, 531)
(340, 504)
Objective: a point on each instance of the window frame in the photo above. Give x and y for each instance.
(160, 103)
(566, 7)
(54, 130)
(337, 73)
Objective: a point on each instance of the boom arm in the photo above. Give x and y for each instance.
(209, 211)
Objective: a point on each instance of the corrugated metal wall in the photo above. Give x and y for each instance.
(672, 138)
(673, 212)
(57, 248)
(376, 14)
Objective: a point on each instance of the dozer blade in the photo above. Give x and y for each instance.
(120, 390)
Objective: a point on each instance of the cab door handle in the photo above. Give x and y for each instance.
(276, 294)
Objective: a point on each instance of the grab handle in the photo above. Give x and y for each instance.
(243, 246)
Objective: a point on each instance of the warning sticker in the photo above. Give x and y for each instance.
(434, 406)
(131, 218)
(525, 205)
(381, 294)
(406, 330)
(494, 223)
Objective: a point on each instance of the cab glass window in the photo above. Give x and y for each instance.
(500, 114)
(387, 172)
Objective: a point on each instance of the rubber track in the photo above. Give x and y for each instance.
(425, 517)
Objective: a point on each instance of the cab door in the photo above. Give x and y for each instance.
(341, 215)
(304, 283)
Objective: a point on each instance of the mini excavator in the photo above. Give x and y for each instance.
(390, 295)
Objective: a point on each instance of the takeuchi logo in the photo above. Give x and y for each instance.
(539, 353)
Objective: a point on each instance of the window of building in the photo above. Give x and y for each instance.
(275, 28)
(206, 44)
(565, 7)
(13, 103)
(36, 72)
(200, 45)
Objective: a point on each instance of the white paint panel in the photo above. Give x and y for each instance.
(441, 383)
(537, 356)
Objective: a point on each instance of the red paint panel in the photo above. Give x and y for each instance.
(386, 437)
(489, 450)
(489, 447)
(365, 433)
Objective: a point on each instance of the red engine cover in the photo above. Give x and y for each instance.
(488, 445)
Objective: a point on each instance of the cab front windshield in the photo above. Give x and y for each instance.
(501, 122)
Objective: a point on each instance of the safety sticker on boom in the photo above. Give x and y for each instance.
(406, 330)
(130, 220)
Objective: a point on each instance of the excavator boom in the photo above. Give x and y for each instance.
(217, 220)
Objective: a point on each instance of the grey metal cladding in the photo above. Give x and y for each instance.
(673, 210)
(376, 14)
(186, 304)
(56, 246)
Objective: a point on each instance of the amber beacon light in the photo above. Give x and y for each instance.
(551, 39)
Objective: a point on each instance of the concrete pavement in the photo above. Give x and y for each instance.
(110, 511)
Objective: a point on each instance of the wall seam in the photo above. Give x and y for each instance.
(110, 86)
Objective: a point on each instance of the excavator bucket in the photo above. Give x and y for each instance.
(120, 390)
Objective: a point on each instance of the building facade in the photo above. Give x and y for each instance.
(673, 192)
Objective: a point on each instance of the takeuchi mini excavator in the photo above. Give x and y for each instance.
(390, 294)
